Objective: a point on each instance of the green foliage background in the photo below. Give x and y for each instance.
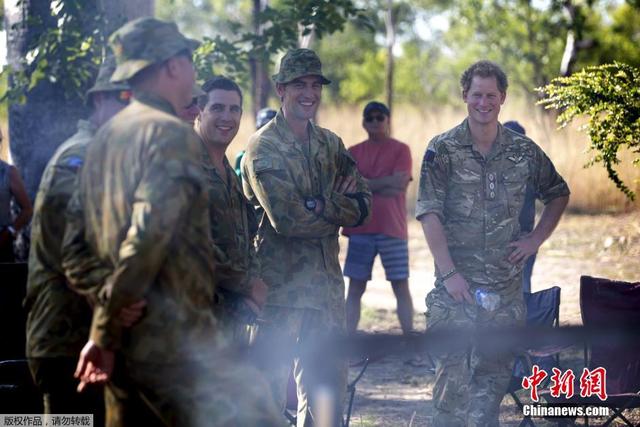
(609, 95)
(435, 41)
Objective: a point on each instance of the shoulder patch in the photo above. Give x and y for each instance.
(430, 155)
(267, 164)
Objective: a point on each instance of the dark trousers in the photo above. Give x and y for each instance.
(6, 251)
(54, 378)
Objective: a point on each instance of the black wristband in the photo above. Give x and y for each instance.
(362, 206)
(449, 274)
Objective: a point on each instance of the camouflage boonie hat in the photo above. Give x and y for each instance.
(103, 81)
(144, 42)
(299, 63)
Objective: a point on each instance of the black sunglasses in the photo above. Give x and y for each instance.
(369, 119)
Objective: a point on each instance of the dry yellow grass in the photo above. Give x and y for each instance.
(4, 145)
(591, 189)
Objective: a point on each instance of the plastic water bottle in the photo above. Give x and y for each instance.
(490, 301)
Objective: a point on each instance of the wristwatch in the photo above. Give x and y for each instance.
(310, 203)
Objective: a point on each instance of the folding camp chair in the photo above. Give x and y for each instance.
(609, 303)
(543, 309)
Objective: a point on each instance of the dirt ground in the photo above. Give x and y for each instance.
(393, 393)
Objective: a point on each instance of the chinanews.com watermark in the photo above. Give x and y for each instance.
(592, 382)
(542, 411)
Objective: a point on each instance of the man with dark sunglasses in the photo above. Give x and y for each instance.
(59, 319)
(385, 163)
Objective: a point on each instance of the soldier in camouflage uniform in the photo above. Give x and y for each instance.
(139, 229)
(472, 188)
(309, 186)
(58, 318)
(240, 291)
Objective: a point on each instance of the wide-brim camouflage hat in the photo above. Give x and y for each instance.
(299, 63)
(103, 81)
(144, 42)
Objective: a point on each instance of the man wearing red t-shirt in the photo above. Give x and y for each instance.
(386, 166)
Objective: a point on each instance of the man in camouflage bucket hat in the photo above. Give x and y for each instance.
(309, 186)
(142, 206)
(299, 63)
(472, 189)
(58, 319)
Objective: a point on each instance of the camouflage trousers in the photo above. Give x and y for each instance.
(216, 392)
(315, 372)
(124, 403)
(471, 383)
(231, 331)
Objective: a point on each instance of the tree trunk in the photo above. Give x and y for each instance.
(390, 25)
(573, 42)
(259, 66)
(47, 118)
(539, 77)
(49, 115)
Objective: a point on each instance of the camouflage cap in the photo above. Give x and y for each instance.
(144, 42)
(299, 63)
(103, 81)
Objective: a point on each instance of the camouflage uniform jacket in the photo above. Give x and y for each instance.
(233, 228)
(59, 319)
(142, 208)
(478, 199)
(298, 249)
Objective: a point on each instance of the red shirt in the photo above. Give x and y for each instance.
(376, 160)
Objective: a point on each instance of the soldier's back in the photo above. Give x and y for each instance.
(145, 211)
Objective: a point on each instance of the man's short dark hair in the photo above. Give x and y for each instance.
(218, 82)
(484, 69)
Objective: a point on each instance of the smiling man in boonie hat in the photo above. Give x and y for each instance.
(308, 185)
(298, 63)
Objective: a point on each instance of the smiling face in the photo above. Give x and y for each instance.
(483, 100)
(300, 97)
(220, 117)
